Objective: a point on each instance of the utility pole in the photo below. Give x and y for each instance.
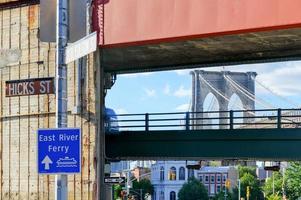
(62, 23)
(225, 193)
(141, 193)
(238, 189)
(283, 183)
(273, 183)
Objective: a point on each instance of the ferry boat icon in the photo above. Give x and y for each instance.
(66, 162)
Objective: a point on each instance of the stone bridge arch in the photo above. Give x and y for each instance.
(219, 84)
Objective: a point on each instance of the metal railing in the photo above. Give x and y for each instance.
(233, 119)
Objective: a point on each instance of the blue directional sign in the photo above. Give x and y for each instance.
(59, 151)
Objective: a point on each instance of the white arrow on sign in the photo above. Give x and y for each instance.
(47, 161)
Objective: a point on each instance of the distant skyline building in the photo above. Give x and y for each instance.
(118, 167)
(168, 178)
(214, 178)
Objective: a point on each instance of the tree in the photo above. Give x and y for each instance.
(248, 177)
(193, 189)
(221, 196)
(242, 170)
(274, 197)
(143, 187)
(117, 191)
(278, 181)
(293, 181)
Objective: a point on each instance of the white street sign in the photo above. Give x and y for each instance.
(81, 48)
(114, 180)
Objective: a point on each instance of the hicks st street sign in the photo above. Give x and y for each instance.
(29, 87)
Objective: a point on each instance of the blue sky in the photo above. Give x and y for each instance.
(170, 91)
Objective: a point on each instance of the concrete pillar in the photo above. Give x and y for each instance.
(100, 136)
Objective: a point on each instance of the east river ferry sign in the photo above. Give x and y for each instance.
(59, 151)
(29, 87)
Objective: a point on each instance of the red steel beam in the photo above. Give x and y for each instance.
(135, 22)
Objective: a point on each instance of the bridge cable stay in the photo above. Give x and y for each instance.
(232, 82)
(223, 96)
(247, 93)
(276, 94)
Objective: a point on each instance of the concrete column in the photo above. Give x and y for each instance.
(100, 136)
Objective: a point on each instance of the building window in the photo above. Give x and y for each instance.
(190, 173)
(161, 197)
(201, 178)
(182, 173)
(218, 189)
(172, 195)
(155, 196)
(224, 178)
(212, 179)
(218, 178)
(162, 174)
(212, 189)
(206, 179)
(172, 174)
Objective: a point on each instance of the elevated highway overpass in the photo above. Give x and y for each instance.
(267, 135)
(138, 36)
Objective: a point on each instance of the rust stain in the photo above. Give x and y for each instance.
(33, 16)
(83, 162)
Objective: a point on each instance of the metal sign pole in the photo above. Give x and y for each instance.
(61, 181)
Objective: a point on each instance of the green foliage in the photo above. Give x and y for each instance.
(242, 170)
(117, 191)
(268, 187)
(221, 196)
(274, 197)
(248, 178)
(193, 190)
(144, 186)
(293, 180)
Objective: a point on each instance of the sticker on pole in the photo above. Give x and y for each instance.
(59, 151)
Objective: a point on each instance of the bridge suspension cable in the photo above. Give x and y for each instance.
(247, 93)
(252, 96)
(276, 94)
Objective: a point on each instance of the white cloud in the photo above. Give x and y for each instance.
(182, 92)
(183, 107)
(136, 75)
(166, 89)
(150, 92)
(183, 72)
(283, 80)
(121, 111)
